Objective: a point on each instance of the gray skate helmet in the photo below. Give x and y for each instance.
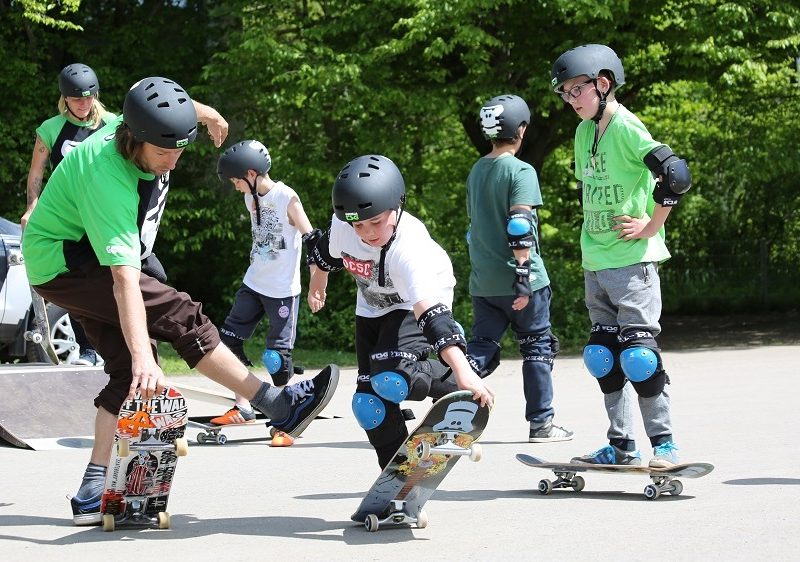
(590, 60)
(157, 110)
(243, 156)
(366, 187)
(77, 81)
(501, 116)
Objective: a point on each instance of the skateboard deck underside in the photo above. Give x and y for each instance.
(412, 479)
(142, 479)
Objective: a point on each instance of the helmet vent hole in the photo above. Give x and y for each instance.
(364, 174)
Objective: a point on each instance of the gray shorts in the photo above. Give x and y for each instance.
(628, 297)
(250, 306)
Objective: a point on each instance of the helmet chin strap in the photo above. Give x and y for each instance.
(254, 193)
(601, 108)
(385, 247)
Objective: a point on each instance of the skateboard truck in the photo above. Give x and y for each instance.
(446, 445)
(395, 514)
(563, 480)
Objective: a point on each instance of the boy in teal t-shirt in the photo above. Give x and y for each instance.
(622, 243)
(508, 282)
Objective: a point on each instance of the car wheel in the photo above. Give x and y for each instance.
(62, 334)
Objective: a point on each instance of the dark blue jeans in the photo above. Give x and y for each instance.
(537, 345)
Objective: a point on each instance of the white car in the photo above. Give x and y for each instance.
(16, 312)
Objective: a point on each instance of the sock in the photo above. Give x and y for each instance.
(272, 401)
(627, 445)
(94, 480)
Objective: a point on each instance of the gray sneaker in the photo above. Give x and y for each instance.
(549, 433)
(611, 455)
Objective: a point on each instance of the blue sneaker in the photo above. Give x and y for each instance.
(308, 398)
(664, 455)
(611, 455)
(86, 512)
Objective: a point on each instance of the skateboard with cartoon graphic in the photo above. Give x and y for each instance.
(149, 440)
(448, 432)
(664, 479)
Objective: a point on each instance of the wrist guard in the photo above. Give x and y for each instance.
(522, 281)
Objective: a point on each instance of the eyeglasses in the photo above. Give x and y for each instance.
(574, 92)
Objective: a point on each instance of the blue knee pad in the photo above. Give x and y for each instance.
(390, 385)
(639, 363)
(369, 410)
(273, 361)
(598, 359)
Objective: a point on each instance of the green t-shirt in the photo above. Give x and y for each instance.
(60, 135)
(494, 185)
(616, 183)
(90, 210)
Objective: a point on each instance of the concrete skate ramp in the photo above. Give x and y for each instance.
(49, 407)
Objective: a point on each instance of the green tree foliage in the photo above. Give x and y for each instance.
(321, 82)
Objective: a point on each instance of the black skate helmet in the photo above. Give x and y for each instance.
(243, 156)
(590, 60)
(501, 116)
(366, 187)
(77, 81)
(157, 110)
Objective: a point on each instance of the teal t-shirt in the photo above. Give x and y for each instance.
(494, 185)
(616, 182)
(92, 196)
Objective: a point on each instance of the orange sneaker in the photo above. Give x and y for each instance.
(281, 439)
(234, 416)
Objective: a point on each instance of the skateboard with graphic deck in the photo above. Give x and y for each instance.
(40, 335)
(149, 440)
(448, 432)
(665, 480)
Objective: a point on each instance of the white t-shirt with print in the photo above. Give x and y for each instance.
(415, 268)
(275, 255)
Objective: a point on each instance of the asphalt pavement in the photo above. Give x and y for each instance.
(735, 408)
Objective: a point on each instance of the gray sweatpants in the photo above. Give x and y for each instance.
(629, 297)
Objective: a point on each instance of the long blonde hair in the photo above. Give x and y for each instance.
(96, 113)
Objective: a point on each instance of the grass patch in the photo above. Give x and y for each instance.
(311, 360)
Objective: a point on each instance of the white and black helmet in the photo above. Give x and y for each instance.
(366, 187)
(243, 156)
(77, 81)
(502, 116)
(590, 60)
(159, 111)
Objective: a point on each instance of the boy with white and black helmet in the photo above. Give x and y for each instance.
(403, 306)
(508, 280)
(628, 183)
(84, 248)
(271, 284)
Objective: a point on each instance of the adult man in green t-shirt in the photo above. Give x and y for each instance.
(85, 245)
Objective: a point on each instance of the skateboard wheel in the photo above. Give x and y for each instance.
(201, 438)
(422, 519)
(677, 488)
(272, 432)
(221, 439)
(651, 492)
(371, 523)
(424, 450)
(545, 487)
(181, 447)
(108, 522)
(163, 520)
(475, 452)
(123, 447)
(578, 483)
